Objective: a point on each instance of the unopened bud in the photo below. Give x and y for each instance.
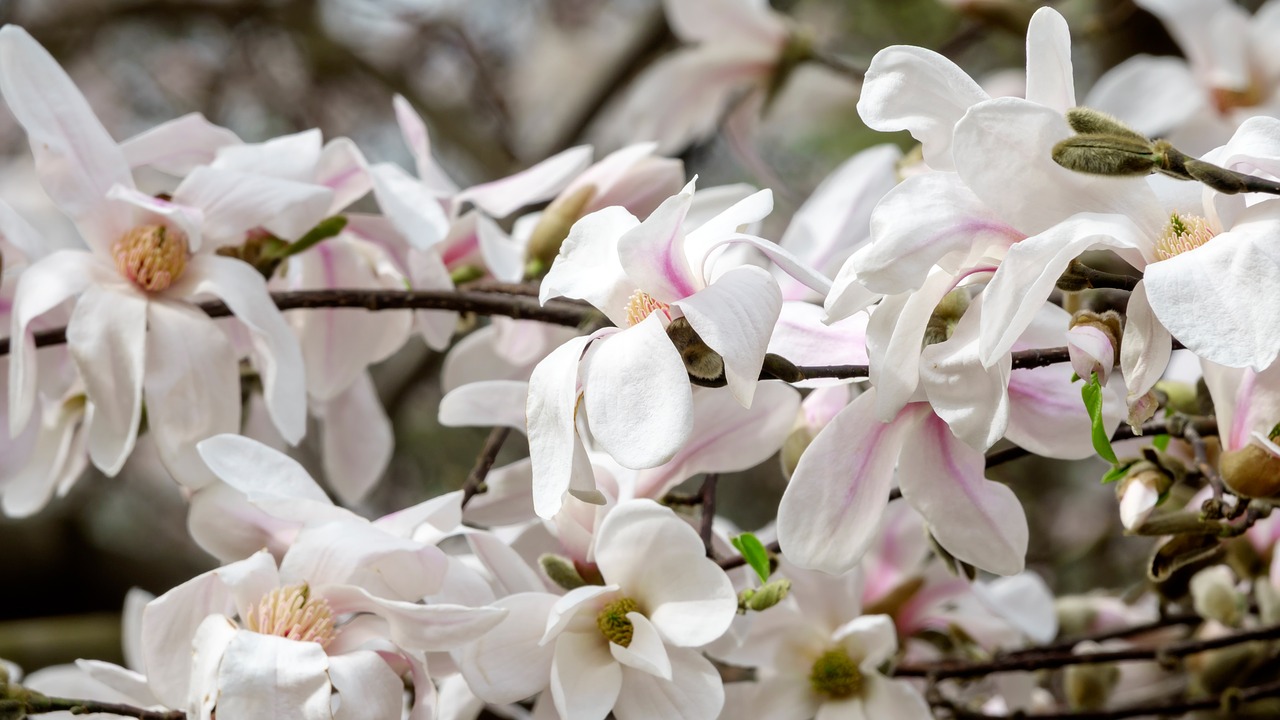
(1087, 121)
(945, 316)
(1215, 597)
(764, 597)
(1118, 155)
(1093, 343)
(1220, 179)
(1089, 687)
(700, 361)
(1140, 492)
(1251, 471)
(554, 224)
(561, 571)
(1222, 668)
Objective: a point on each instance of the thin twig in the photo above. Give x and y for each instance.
(708, 494)
(1203, 425)
(1201, 453)
(1226, 702)
(488, 454)
(37, 704)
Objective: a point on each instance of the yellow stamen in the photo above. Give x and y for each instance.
(153, 257)
(290, 612)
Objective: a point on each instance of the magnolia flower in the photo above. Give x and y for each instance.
(149, 259)
(625, 646)
(740, 44)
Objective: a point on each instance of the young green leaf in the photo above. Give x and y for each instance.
(1092, 395)
(1117, 472)
(1160, 442)
(754, 553)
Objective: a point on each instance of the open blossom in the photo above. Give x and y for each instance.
(134, 330)
(626, 646)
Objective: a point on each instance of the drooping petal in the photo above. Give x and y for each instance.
(973, 400)
(412, 625)
(585, 679)
(264, 677)
(107, 336)
(357, 440)
(694, 691)
(832, 506)
(1049, 79)
(192, 387)
(236, 202)
(178, 146)
(918, 90)
(276, 352)
(367, 687)
(978, 521)
(555, 449)
(76, 159)
(588, 267)
(735, 316)
(646, 652)
(637, 396)
(500, 198)
(411, 206)
(508, 664)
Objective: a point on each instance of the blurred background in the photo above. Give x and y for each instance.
(502, 84)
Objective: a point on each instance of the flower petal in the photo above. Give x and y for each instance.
(412, 625)
(263, 677)
(236, 202)
(419, 142)
(832, 507)
(694, 690)
(508, 664)
(653, 253)
(1049, 79)
(555, 449)
(646, 652)
(585, 679)
(978, 521)
(883, 697)
(502, 197)
(588, 267)
(412, 208)
(973, 400)
(1152, 95)
(367, 687)
(869, 640)
(178, 146)
(486, 404)
(357, 554)
(356, 440)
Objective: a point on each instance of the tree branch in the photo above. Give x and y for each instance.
(484, 463)
(1226, 702)
(708, 497)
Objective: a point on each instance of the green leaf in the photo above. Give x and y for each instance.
(754, 553)
(1160, 442)
(1117, 472)
(323, 230)
(1092, 395)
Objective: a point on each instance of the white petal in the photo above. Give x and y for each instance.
(367, 687)
(918, 90)
(743, 213)
(743, 21)
(637, 395)
(107, 336)
(869, 640)
(503, 256)
(500, 198)
(276, 352)
(355, 553)
(694, 691)
(555, 449)
(894, 336)
(588, 268)
(576, 609)
(342, 169)
(357, 440)
(266, 677)
(585, 679)
(192, 387)
(419, 142)
(1025, 601)
(291, 157)
(646, 652)
(76, 158)
(508, 664)
(269, 479)
(1049, 79)
(177, 146)
(413, 626)
(411, 206)
(973, 400)
(235, 202)
(978, 521)
(486, 404)
(1153, 95)
(208, 646)
(886, 698)
(511, 573)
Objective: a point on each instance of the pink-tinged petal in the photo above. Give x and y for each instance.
(700, 241)
(411, 206)
(1049, 79)
(1029, 273)
(192, 388)
(735, 316)
(355, 553)
(187, 219)
(486, 404)
(1047, 417)
(412, 625)
(918, 90)
(507, 664)
(897, 699)
(356, 440)
(971, 399)
(832, 507)
(368, 689)
(653, 253)
(869, 640)
(415, 136)
(726, 437)
(269, 479)
(428, 272)
(978, 521)
(551, 410)
(836, 218)
(500, 198)
(1152, 95)
(802, 337)
(1217, 299)
(343, 169)
(681, 97)
(178, 146)
(658, 559)
(695, 690)
(290, 157)
(930, 219)
(588, 267)
(1091, 352)
(107, 336)
(76, 159)
(236, 202)
(263, 677)
(894, 336)
(227, 526)
(646, 652)
(637, 397)
(585, 679)
(1008, 143)
(503, 256)
(42, 287)
(276, 353)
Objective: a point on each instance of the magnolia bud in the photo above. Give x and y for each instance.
(554, 224)
(1093, 343)
(561, 571)
(1107, 155)
(1214, 596)
(1087, 121)
(1251, 471)
(1088, 687)
(701, 362)
(1140, 491)
(945, 316)
(765, 597)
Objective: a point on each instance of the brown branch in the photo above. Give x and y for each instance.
(1176, 425)
(708, 497)
(738, 561)
(484, 463)
(1227, 702)
(27, 702)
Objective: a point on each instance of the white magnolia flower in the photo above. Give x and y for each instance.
(625, 646)
(134, 330)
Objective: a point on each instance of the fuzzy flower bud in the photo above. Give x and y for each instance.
(1088, 687)
(764, 597)
(1139, 493)
(561, 570)
(1215, 597)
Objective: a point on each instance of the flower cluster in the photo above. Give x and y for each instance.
(918, 311)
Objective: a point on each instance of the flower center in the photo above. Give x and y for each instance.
(290, 612)
(641, 304)
(614, 623)
(1182, 233)
(835, 675)
(151, 256)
